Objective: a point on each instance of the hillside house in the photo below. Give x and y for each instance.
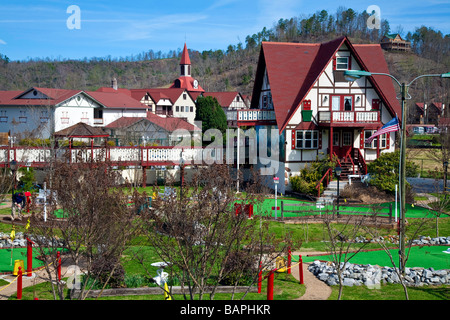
(317, 112)
(424, 113)
(395, 42)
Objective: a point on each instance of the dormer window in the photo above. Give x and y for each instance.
(342, 63)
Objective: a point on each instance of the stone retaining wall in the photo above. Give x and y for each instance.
(373, 276)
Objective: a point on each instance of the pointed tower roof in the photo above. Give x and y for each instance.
(185, 56)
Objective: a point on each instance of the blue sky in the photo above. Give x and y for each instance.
(38, 28)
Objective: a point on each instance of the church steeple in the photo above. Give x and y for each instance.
(185, 63)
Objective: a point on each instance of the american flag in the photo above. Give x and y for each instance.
(391, 126)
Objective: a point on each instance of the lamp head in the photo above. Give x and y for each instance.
(338, 171)
(13, 165)
(352, 75)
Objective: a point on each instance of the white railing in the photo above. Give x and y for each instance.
(251, 115)
(42, 156)
(348, 116)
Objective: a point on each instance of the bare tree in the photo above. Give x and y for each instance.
(340, 235)
(198, 233)
(94, 229)
(414, 230)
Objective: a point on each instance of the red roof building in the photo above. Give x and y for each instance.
(150, 130)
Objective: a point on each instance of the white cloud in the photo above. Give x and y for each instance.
(2, 42)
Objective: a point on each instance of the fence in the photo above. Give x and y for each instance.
(312, 211)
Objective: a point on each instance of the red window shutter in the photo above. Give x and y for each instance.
(376, 104)
(361, 140)
(334, 63)
(293, 140)
(349, 62)
(388, 140)
(307, 105)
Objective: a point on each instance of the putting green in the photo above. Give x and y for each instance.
(425, 257)
(7, 264)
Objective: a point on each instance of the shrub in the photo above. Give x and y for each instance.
(102, 269)
(310, 176)
(384, 171)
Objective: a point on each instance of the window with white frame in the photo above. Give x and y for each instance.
(342, 63)
(307, 139)
(384, 140)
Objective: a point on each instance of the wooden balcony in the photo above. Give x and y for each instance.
(348, 118)
(249, 117)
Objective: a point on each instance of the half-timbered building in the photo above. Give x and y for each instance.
(319, 113)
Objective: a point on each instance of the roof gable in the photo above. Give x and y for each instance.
(223, 98)
(169, 124)
(81, 130)
(293, 68)
(44, 96)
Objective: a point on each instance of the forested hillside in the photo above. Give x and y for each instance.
(234, 67)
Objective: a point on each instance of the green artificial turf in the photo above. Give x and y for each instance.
(425, 257)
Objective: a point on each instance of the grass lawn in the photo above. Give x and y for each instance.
(390, 292)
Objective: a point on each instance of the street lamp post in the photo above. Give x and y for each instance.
(181, 177)
(275, 181)
(13, 166)
(352, 75)
(338, 171)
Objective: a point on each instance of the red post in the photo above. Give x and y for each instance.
(300, 268)
(260, 277)
(270, 286)
(28, 195)
(58, 257)
(289, 260)
(29, 257)
(19, 284)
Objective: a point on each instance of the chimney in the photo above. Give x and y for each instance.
(114, 83)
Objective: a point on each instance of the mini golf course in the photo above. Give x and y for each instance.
(310, 208)
(7, 264)
(424, 256)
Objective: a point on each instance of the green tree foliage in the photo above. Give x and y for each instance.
(211, 114)
(310, 176)
(384, 171)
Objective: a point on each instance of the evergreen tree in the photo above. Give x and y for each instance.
(211, 114)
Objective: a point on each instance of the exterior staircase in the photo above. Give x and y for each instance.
(351, 164)
(330, 193)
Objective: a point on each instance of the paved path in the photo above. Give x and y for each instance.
(315, 289)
